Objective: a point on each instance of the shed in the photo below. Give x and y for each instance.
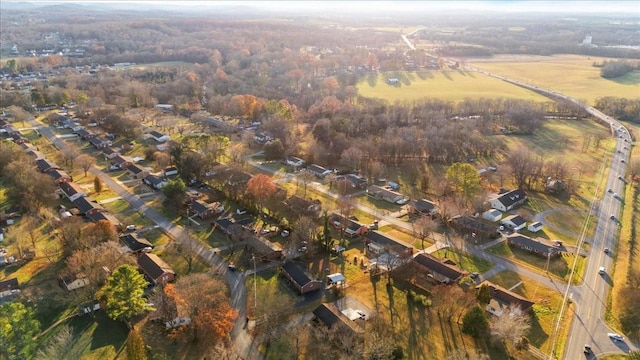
(535, 226)
(492, 215)
(336, 279)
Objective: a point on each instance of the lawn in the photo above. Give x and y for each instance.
(573, 75)
(560, 266)
(444, 85)
(544, 313)
(464, 260)
(99, 337)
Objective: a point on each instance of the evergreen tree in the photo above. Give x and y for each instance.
(474, 322)
(97, 184)
(123, 294)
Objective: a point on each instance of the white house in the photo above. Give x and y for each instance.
(159, 137)
(508, 200)
(514, 222)
(492, 215)
(535, 226)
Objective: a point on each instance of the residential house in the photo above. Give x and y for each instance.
(386, 193)
(154, 181)
(476, 228)
(87, 206)
(380, 243)
(135, 243)
(443, 271)
(535, 226)
(356, 182)
(234, 177)
(293, 161)
(110, 153)
(514, 222)
(60, 176)
(103, 216)
(18, 138)
(393, 81)
(502, 298)
(204, 210)
(159, 137)
(318, 170)
(71, 283)
(534, 246)
(423, 207)
(136, 171)
(9, 287)
(72, 190)
(492, 215)
(85, 134)
(46, 166)
(121, 162)
(99, 143)
(330, 316)
(303, 207)
(170, 171)
(508, 200)
(298, 277)
(350, 227)
(155, 269)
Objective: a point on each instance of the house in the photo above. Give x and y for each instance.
(508, 200)
(350, 227)
(393, 81)
(293, 161)
(103, 216)
(159, 137)
(336, 279)
(87, 206)
(534, 246)
(356, 182)
(121, 162)
(380, 243)
(170, 171)
(535, 226)
(386, 193)
(85, 134)
(110, 153)
(502, 298)
(235, 177)
(439, 270)
(9, 287)
(155, 181)
(330, 316)
(473, 226)
(135, 243)
(60, 176)
(158, 271)
(318, 170)
(18, 139)
(136, 171)
(298, 277)
(74, 282)
(72, 190)
(423, 207)
(303, 207)
(492, 215)
(99, 143)
(205, 210)
(45, 165)
(514, 222)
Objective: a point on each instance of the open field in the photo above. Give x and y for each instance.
(573, 75)
(445, 85)
(544, 312)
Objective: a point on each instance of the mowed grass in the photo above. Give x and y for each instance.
(544, 313)
(445, 85)
(572, 75)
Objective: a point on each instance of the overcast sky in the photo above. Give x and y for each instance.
(629, 7)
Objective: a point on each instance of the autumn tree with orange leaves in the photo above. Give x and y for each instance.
(206, 302)
(261, 187)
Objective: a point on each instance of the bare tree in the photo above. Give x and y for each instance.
(512, 325)
(423, 227)
(86, 162)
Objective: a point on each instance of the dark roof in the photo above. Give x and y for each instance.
(59, 174)
(523, 240)
(96, 142)
(200, 206)
(297, 203)
(135, 242)
(156, 134)
(9, 284)
(153, 179)
(297, 273)
(441, 267)
(153, 266)
(356, 180)
(70, 188)
(515, 219)
(44, 165)
(348, 223)
(316, 169)
(104, 216)
(508, 297)
(121, 159)
(85, 204)
(84, 133)
(423, 205)
(224, 223)
(109, 150)
(511, 197)
(135, 169)
(383, 240)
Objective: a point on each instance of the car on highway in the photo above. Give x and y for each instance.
(616, 337)
(609, 190)
(587, 349)
(612, 217)
(622, 161)
(601, 271)
(606, 250)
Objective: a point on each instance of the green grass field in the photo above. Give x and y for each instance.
(573, 75)
(445, 85)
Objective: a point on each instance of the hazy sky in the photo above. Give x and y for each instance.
(629, 7)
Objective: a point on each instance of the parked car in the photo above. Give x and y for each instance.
(616, 337)
(241, 211)
(132, 227)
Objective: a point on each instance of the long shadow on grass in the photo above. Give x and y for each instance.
(540, 336)
(392, 310)
(414, 346)
(372, 79)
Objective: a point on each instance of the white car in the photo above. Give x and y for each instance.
(132, 227)
(241, 211)
(616, 337)
(601, 271)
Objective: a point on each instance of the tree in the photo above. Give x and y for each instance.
(273, 150)
(423, 227)
(175, 192)
(86, 162)
(59, 346)
(484, 294)
(474, 322)
(18, 326)
(511, 326)
(136, 349)
(261, 187)
(634, 355)
(123, 294)
(464, 179)
(97, 184)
